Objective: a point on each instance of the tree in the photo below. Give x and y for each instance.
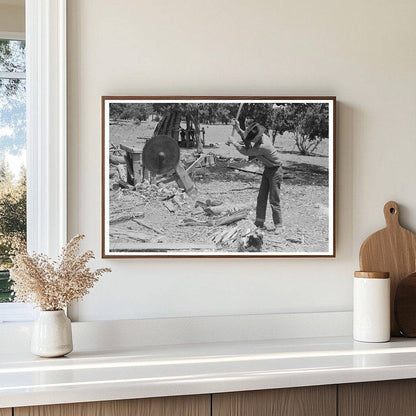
(260, 112)
(309, 122)
(130, 111)
(12, 214)
(223, 114)
(6, 176)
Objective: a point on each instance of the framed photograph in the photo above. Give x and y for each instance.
(218, 176)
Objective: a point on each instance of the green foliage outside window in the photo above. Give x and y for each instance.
(12, 223)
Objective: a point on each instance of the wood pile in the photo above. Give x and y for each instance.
(169, 125)
(161, 191)
(244, 236)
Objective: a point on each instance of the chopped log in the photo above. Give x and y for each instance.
(132, 235)
(231, 218)
(218, 237)
(199, 203)
(230, 235)
(208, 203)
(126, 217)
(120, 218)
(166, 180)
(167, 197)
(130, 149)
(168, 204)
(226, 236)
(177, 200)
(296, 240)
(194, 222)
(117, 160)
(190, 168)
(213, 202)
(115, 149)
(143, 224)
(228, 208)
(184, 180)
(130, 174)
(137, 166)
(122, 172)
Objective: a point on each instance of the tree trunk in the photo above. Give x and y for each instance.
(199, 146)
(188, 128)
(274, 134)
(299, 139)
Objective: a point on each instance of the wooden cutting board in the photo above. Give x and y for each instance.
(393, 250)
(405, 306)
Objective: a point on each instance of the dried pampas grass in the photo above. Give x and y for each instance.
(53, 285)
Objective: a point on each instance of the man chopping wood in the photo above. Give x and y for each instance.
(258, 145)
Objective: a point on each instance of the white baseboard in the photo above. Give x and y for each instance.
(169, 331)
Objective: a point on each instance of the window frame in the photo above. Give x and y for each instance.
(46, 127)
(12, 35)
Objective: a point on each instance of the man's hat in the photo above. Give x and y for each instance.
(253, 132)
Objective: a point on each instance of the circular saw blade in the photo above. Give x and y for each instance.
(160, 154)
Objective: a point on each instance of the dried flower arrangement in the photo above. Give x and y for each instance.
(53, 285)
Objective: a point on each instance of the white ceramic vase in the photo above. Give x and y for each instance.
(52, 334)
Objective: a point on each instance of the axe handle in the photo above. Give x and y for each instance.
(238, 115)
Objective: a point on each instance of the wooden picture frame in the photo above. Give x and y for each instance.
(194, 196)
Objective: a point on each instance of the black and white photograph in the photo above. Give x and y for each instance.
(218, 176)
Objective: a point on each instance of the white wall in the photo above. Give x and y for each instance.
(361, 51)
(12, 18)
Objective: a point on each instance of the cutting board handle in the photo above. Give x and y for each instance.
(391, 213)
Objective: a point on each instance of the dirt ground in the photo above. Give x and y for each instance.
(304, 196)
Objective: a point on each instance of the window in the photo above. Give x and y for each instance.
(12, 153)
(45, 27)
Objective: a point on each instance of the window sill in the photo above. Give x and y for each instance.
(16, 313)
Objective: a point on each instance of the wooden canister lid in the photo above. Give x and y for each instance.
(372, 275)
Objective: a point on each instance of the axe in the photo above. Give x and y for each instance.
(238, 115)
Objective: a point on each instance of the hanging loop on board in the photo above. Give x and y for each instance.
(391, 213)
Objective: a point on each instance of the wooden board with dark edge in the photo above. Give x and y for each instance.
(393, 250)
(405, 306)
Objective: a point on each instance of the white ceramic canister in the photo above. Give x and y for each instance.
(371, 313)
